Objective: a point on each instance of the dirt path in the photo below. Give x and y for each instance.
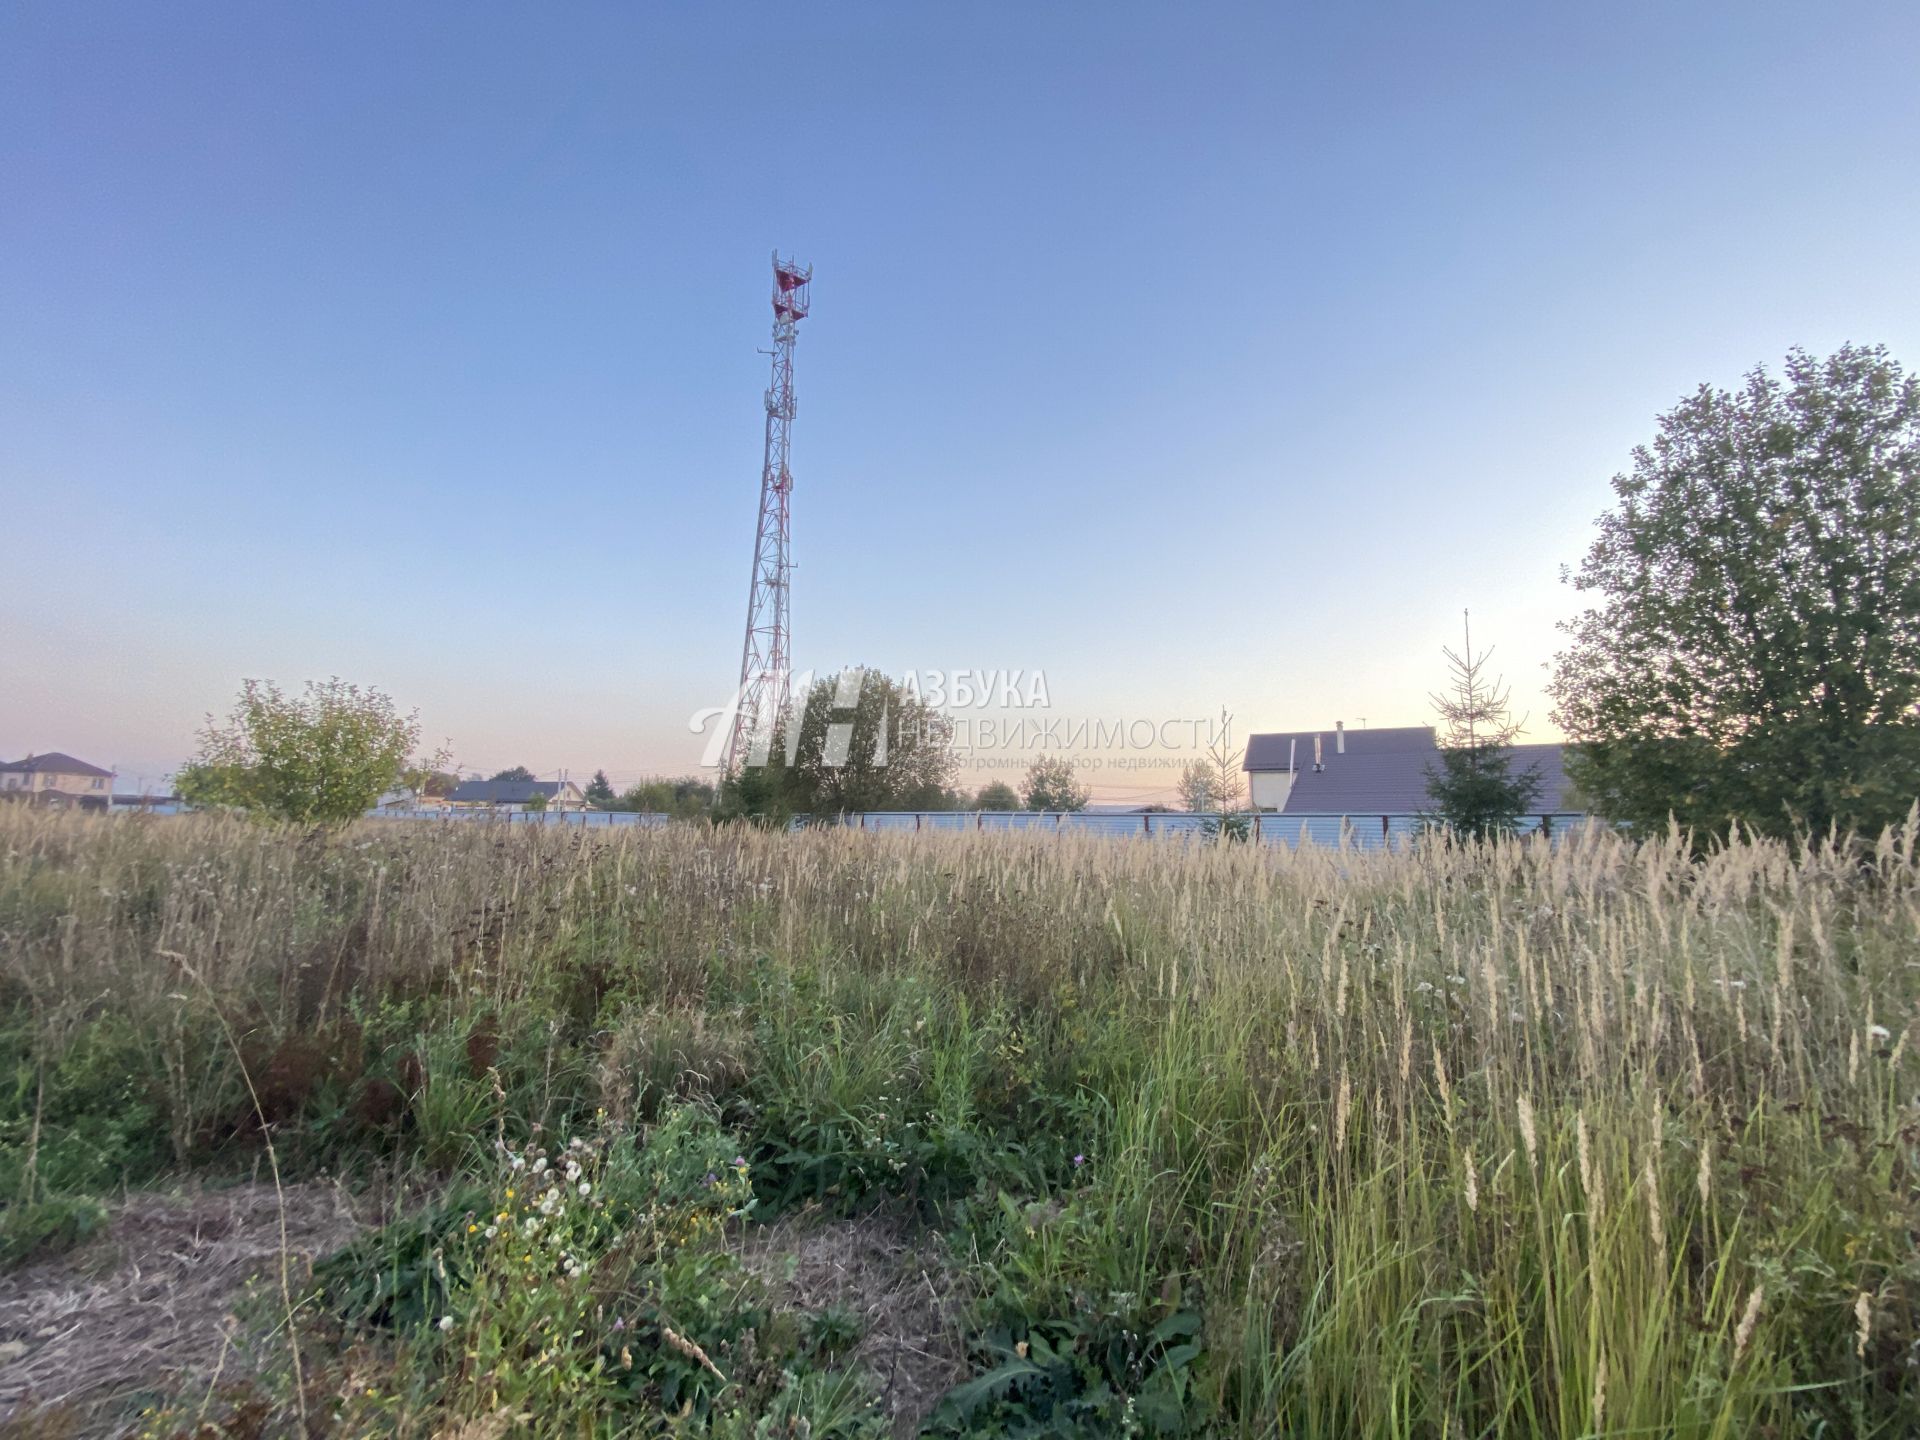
(148, 1305)
(895, 1281)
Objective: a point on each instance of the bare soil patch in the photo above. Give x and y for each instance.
(891, 1275)
(148, 1306)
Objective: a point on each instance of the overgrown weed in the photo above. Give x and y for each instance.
(1598, 1138)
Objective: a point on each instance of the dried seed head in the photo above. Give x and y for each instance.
(1863, 1323)
(1743, 1335)
(1440, 1078)
(1473, 1183)
(1589, 1175)
(1527, 1131)
(1656, 1223)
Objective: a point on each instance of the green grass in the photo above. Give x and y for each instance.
(1597, 1140)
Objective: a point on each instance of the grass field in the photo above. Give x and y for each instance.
(720, 1132)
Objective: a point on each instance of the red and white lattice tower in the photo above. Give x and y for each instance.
(765, 658)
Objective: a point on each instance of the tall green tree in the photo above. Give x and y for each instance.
(1474, 790)
(1217, 780)
(517, 772)
(997, 795)
(322, 757)
(687, 798)
(599, 790)
(1053, 784)
(865, 742)
(1196, 786)
(1753, 652)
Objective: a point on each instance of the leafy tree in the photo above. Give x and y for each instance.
(1195, 786)
(756, 793)
(888, 750)
(997, 795)
(323, 757)
(687, 798)
(1754, 653)
(599, 790)
(424, 779)
(1475, 791)
(1217, 780)
(1053, 784)
(518, 772)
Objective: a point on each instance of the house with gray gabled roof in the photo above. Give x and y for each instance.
(1374, 772)
(518, 795)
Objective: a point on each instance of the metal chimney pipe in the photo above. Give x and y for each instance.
(1339, 737)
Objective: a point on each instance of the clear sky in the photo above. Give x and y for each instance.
(1196, 355)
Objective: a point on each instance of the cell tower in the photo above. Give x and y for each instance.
(765, 657)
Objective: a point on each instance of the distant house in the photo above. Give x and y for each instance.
(1374, 772)
(56, 781)
(518, 795)
(405, 797)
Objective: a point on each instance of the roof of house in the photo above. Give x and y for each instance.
(1383, 772)
(505, 792)
(54, 763)
(1295, 747)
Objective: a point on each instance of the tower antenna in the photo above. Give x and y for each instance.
(766, 657)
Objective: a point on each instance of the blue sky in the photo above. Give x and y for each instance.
(1197, 355)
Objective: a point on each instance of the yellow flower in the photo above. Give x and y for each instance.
(473, 1229)
(509, 1192)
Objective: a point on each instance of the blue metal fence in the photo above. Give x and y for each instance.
(584, 819)
(1363, 832)
(1360, 832)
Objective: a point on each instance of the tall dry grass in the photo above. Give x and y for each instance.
(1603, 1138)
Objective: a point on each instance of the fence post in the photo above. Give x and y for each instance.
(1256, 827)
(916, 820)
